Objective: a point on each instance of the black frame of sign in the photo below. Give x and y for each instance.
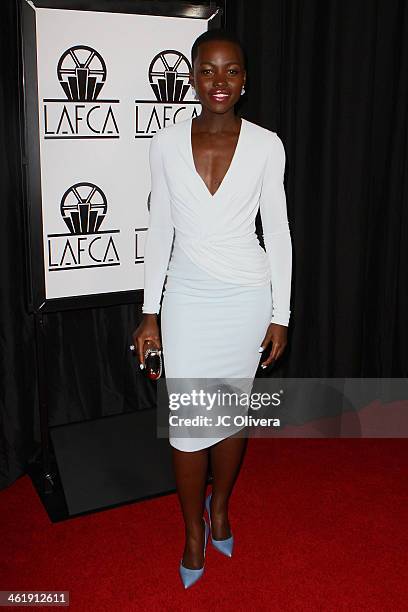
(215, 12)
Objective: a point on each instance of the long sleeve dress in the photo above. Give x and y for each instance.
(221, 288)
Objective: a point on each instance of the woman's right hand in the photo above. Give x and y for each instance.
(145, 335)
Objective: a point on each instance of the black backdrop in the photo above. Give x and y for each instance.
(331, 77)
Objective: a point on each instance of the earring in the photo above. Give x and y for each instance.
(242, 91)
(195, 93)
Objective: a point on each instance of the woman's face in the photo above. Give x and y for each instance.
(218, 75)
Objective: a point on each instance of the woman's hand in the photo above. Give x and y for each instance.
(145, 335)
(277, 334)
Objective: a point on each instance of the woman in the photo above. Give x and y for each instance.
(226, 298)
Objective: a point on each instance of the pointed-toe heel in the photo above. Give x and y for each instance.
(223, 546)
(190, 576)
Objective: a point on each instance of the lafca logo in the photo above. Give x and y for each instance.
(82, 73)
(83, 208)
(168, 75)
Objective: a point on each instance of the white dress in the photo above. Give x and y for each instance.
(222, 289)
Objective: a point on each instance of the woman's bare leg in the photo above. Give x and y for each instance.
(226, 459)
(191, 472)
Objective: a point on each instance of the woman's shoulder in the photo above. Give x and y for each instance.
(267, 142)
(263, 134)
(170, 132)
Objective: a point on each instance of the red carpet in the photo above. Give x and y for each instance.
(319, 525)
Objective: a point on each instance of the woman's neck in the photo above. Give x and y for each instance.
(217, 122)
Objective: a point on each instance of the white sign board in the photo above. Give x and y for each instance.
(106, 83)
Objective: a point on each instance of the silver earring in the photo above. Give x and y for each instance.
(195, 93)
(242, 91)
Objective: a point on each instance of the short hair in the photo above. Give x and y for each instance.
(216, 34)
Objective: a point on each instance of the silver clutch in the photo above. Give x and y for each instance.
(153, 363)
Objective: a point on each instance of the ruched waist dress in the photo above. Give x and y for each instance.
(221, 288)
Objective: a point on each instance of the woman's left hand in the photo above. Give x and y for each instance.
(277, 334)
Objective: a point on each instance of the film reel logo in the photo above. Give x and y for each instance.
(81, 72)
(168, 76)
(83, 208)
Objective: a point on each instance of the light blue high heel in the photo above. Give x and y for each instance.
(224, 546)
(190, 576)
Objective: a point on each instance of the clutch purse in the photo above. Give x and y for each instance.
(153, 363)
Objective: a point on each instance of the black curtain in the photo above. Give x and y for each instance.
(331, 78)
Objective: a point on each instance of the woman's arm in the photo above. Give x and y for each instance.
(276, 234)
(160, 233)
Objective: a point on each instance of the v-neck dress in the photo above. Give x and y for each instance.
(221, 288)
